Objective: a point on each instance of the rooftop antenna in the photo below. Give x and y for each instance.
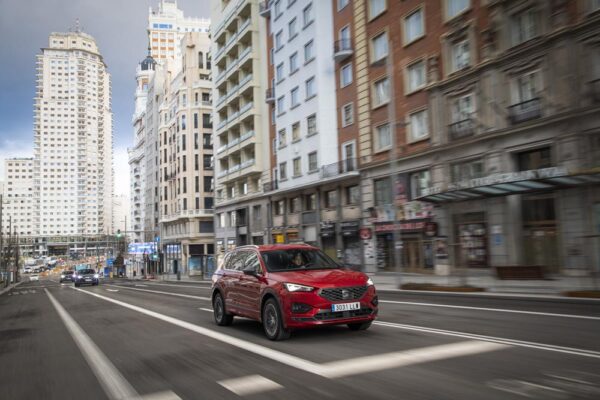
(77, 26)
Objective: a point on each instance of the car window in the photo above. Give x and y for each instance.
(297, 259)
(236, 261)
(253, 262)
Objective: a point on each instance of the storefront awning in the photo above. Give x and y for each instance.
(533, 181)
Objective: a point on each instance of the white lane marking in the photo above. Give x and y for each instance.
(177, 285)
(511, 342)
(380, 362)
(114, 384)
(205, 309)
(166, 395)
(248, 385)
(112, 290)
(189, 296)
(140, 285)
(504, 310)
(275, 355)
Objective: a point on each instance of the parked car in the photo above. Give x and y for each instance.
(34, 277)
(85, 276)
(66, 276)
(287, 287)
(27, 270)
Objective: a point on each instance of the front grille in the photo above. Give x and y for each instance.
(345, 293)
(329, 315)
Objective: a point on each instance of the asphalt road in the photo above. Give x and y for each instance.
(127, 339)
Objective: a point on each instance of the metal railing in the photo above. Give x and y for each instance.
(270, 95)
(270, 186)
(461, 129)
(525, 110)
(339, 168)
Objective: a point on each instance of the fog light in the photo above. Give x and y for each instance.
(300, 308)
(375, 301)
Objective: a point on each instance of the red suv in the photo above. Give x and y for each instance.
(291, 286)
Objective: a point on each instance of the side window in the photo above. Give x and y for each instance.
(236, 261)
(253, 262)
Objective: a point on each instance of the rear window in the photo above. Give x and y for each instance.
(297, 260)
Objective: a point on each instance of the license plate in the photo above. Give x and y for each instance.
(88, 280)
(345, 307)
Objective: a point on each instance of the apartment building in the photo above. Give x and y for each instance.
(166, 27)
(17, 196)
(72, 166)
(242, 120)
(477, 126)
(186, 161)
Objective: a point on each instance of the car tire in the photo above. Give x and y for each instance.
(360, 326)
(272, 321)
(222, 318)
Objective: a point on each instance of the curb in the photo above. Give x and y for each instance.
(10, 287)
(505, 296)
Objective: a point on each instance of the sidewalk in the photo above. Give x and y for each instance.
(553, 286)
(9, 287)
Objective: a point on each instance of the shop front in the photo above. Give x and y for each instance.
(472, 245)
(415, 247)
(351, 249)
(328, 244)
(173, 261)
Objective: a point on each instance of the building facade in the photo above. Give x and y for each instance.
(242, 119)
(17, 199)
(72, 166)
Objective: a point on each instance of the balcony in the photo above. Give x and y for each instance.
(270, 95)
(270, 186)
(525, 111)
(461, 129)
(342, 49)
(339, 168)
(264, 8)
(595, 90)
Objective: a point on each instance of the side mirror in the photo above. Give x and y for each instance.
(251, 270)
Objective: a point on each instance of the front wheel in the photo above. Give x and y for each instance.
(221, 316)
(272, 321)
(360, 326)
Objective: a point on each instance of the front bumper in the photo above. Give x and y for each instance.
(320, 309)
(92, 281)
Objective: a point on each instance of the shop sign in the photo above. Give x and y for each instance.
(349, 228)
(404, 226)
(279, 238)
(327, 229)
(365, 233)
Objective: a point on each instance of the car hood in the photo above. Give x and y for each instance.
(322, 278)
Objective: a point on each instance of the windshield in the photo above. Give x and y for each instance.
(86, 271)
(297, 260)
(68, 272)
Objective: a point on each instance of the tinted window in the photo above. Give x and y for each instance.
(87, 271)
(236, 261)
(252, 262)
(297, 259)
(68, 272)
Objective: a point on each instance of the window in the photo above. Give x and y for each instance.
(310, 202)
(383, 138)
(381, 92)
(207, 161)
(292, 29)
(281, 105)
(277, 9)
(535, 159)
(279, 72)
(183, 143)
(206, 141)
(419, 181)
(196, 120)
(311, 125)
(295, 97)
(460, 55)
(347, 114)
(466, 170)
(524, 26)
(345, 38)
(206, 121)
(312, 161)
(278, 40)
(311, 88)
(376, 7)
(296, 131)
(455, 7)
(208, 203)
(307, 15)
(282, 139)
(346, 75)
(183, 122)
(352, 195)
(525, 87)
(206, 227)
(294, 63)
(331, 199)
(418, 125)
(462, 108)
(208, 184)
(297, 167)
(295, 204)
(379, 47)
(309, 50)
(341, 4)
(414, 26)
(279, 207)
(196, 184)
(416, 76)
(383, 191)
(282, 171)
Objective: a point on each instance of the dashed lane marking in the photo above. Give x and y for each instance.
(189, 296)
(503, 310)
(112, 290)
(331, 370)
(205, 309)
(199, 286)
(247, 385)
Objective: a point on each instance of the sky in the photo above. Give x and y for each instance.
(119, 27)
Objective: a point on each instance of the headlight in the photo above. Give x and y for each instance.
(370, 282)
(293, 287)
(96, 276)
(62, 277)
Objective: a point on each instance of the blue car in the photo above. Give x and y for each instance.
(86, 277)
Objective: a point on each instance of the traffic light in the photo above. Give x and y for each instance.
(118, 234)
